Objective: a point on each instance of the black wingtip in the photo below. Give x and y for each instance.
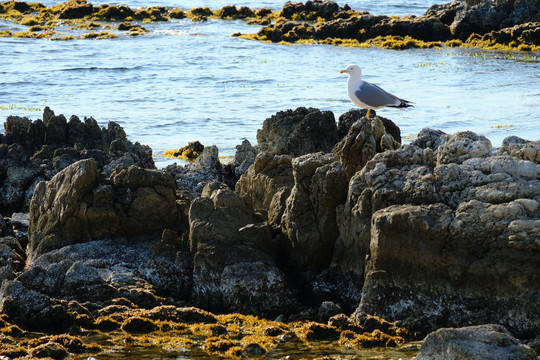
(403, 105)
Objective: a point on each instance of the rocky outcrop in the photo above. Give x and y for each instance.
(521, 149)
(234, 258)
(298, 132)
(484, 16)
(312, 9)
(267, 184)
(442, 229)
(300, 195)
(78, 205)
(528, 33)
(309, 219)
(363, 139)
(489, 342)
(32, 151)
(243, 158)
(33, 310)
(441, 232)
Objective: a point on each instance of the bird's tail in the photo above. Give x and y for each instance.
(403, 104)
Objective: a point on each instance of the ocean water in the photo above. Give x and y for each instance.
(186, 81)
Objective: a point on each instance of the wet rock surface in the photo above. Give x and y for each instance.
(438, 233)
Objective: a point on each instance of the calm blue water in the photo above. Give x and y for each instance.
(187, 81)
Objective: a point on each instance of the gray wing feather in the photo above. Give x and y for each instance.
(372, 95)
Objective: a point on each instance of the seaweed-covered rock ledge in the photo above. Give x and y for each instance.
(508, 24)
(317, 221)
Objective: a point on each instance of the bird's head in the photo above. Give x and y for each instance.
(352, 70)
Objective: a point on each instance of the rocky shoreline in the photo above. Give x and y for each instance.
(499, 25)
(333, 229)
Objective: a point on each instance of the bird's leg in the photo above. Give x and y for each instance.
(367, 116)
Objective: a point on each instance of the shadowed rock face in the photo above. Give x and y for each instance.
(234, 258)
(267, 184)
(309, 220)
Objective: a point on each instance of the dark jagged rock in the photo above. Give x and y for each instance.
(32, 310)
(77, 11)
(267, 184)
(32, 151)
(312, 9)
(363, 138)
(298, 132)
(110, 12)
(421, 28)
(230, 11)
(323, 213)
(485, 16)
(528, 33)
(244, 157)
(348, 28)
(327, 310)
(101, 270)
(512, 22)
(234, 258)
(309, 219)
(207, 168)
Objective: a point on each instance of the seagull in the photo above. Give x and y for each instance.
(369, 96)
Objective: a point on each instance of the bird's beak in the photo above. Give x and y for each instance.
(343, 71)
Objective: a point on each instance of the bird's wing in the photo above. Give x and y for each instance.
(374, 96)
